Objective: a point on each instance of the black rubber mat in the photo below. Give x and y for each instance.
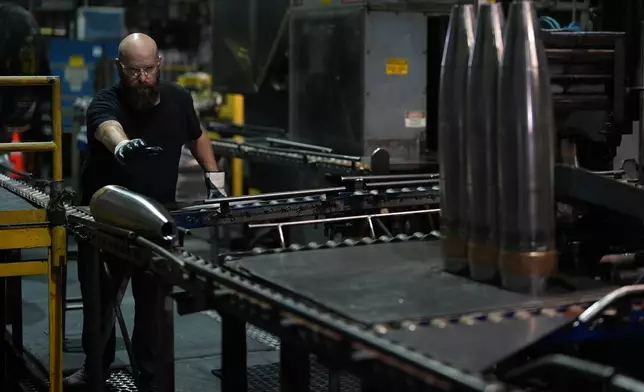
(486, 343)
(382, 283)
(9, 201)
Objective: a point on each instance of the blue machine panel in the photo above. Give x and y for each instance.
(74, 62)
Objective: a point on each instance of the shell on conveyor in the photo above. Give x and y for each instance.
(481, 140)
(526, 156)
(451, 148)
(116, 206)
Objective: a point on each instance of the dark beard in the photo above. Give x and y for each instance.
(140, 97)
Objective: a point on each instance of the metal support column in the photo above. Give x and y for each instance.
(234, 375)
(165, 336)
(58, 253)
(92, 312)
(4, 349)
(237, 165)
(640, 158)
(295, 367)
(14, 298)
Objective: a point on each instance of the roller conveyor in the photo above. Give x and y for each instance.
(324, 202)
(383, 301)
(180, 267)
(268, 154)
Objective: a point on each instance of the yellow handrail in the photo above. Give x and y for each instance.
(56, 145)
(27, 147)
(58, 252)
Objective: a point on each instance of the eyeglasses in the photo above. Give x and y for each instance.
(135, 72)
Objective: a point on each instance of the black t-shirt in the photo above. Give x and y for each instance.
(169, 125)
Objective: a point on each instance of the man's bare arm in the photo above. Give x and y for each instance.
(110, 133)
(202, 151)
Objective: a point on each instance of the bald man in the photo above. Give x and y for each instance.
(135, 133)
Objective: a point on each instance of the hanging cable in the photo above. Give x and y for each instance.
(549, 23)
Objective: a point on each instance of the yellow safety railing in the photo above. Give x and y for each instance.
(32, 228)
(233, 110)
(237, 166)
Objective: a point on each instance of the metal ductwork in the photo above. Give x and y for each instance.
(248, 37)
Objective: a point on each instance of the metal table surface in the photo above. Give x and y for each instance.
(389, 282)
(488, 343)
(10, 201)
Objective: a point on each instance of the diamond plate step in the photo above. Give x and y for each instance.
(119, 381)
(266, 378)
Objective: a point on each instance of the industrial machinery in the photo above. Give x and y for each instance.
(361, 305)
(385, 295)
(593, 81)
(296, 64)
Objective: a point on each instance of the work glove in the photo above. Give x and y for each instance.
(129, 150)
(216, 184)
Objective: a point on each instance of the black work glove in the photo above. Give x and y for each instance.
(129, 150)
(215, 184)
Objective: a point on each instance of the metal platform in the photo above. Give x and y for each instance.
(392, 282)
(401, 291)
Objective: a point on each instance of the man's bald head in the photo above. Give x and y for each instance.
(139, 47)
(138, 66)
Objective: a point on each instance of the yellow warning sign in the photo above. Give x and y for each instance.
(397, 67)
(326, 2)
(76, 61)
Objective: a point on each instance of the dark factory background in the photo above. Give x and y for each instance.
(364, 242)
(243, 48)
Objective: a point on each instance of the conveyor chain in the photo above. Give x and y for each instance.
(323, 202)
(36, 196)
(496, 316)
(349, 242)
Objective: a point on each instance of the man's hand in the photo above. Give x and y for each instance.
(216, 184)
(129, 150)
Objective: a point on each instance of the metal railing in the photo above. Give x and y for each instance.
(57, 234)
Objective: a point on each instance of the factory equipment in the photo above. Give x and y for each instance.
(387, 96)
(366, 310)
(358, 75)
(379, 302)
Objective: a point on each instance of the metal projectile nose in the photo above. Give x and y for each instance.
(119, 207)
(488, 41)
(460, 37)
(522, 38)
